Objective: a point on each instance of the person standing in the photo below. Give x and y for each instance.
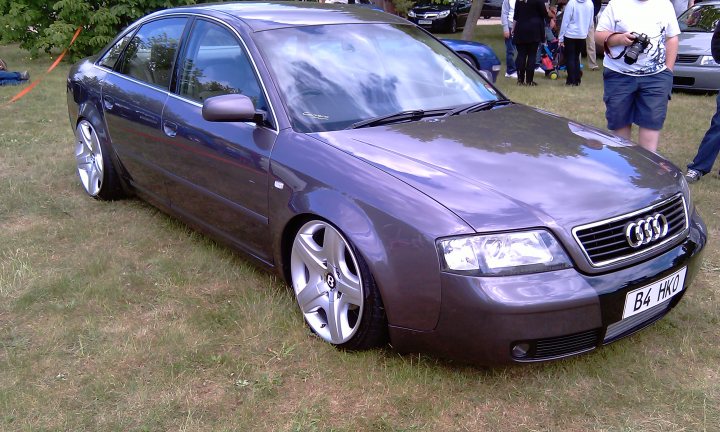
(681, 6)
(528, 32)
(590, 47)
(577, 18)
(638, 92)
(506, 18)
(710, 144)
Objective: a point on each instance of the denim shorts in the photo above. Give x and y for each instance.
(639, 99)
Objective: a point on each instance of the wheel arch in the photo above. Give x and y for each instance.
(391, 225)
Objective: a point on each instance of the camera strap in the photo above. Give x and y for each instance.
(607, 47)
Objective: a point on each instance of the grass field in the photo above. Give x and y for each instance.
(114, 316)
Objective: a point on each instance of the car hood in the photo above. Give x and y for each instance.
(431, 8)
(694, 43)
(515, 167)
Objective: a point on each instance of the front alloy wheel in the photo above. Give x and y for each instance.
(334, 289)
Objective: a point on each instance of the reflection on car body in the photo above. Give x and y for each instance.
(400, 194)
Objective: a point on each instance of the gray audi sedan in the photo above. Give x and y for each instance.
(695, 68)
(401, 195)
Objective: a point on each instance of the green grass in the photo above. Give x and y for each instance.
(116, 317)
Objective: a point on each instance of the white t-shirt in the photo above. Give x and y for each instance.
(655, 18)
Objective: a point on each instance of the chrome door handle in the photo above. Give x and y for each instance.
(108, 103)
(170, 128)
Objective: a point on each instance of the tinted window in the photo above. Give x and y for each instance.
(112, 55)
(216, 64)
(700, 18)
(150, 54)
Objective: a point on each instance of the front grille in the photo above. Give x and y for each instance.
(635, 322)
(604, 242)
(687, 58)
(683, 81)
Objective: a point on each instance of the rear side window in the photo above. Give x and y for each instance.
(150, 54)
(113, 54)
(216, 64)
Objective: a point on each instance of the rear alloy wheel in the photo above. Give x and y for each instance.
(334, 288)
(96, 172)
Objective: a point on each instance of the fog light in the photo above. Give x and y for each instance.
(520, 350)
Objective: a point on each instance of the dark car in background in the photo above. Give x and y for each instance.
(440, 17)
(695, 68)
(401, 195)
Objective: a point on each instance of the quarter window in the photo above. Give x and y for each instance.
(112, 55)
(216, 64)
(150, 54)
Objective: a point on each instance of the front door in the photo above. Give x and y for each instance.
(220, 169)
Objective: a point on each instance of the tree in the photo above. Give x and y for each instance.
(473, 17)
(38, 25)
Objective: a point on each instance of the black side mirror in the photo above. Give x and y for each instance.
(230, 108)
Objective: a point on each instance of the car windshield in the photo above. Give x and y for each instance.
(700, 18)
(334, 76)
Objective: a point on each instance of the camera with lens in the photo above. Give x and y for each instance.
(639, 45)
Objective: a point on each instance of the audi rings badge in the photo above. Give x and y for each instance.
(646, 230)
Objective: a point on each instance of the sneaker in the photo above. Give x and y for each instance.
(3, 66)
(24, 75)
(692, 176)
(512, 75)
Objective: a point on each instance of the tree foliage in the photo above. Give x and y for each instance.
(47, 26)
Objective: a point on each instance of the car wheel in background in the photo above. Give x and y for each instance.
(94, 167)
(469, 59)
(334, 288)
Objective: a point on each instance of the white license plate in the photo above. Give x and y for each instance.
(425, 22)
(651, 295)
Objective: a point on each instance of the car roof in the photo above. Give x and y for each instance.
(261, 16)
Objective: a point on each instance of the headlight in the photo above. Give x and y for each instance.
(688, 195)
(411, 14)
(443, 14)
(503, 254)
(707, 61)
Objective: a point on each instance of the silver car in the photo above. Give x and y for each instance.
(695, 68)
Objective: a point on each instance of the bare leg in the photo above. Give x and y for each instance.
(624, 131)
(648, 139)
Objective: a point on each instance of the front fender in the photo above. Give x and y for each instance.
(392, 225)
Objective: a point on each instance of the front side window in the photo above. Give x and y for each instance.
(333, 76)
(150, 54)
(216, 64)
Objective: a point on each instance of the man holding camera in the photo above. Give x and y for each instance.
(640, 38)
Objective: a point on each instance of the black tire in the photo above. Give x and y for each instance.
(469, 60)
(452, 28)
(367, 323)
(94, 165)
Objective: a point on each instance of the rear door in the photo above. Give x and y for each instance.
(220, 169)
(133, 98)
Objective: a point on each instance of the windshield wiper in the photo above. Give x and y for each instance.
(479, 106)
(408, 115)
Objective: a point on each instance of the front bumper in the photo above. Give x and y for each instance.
(437, 25)
(693, 77)
(555, 314)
